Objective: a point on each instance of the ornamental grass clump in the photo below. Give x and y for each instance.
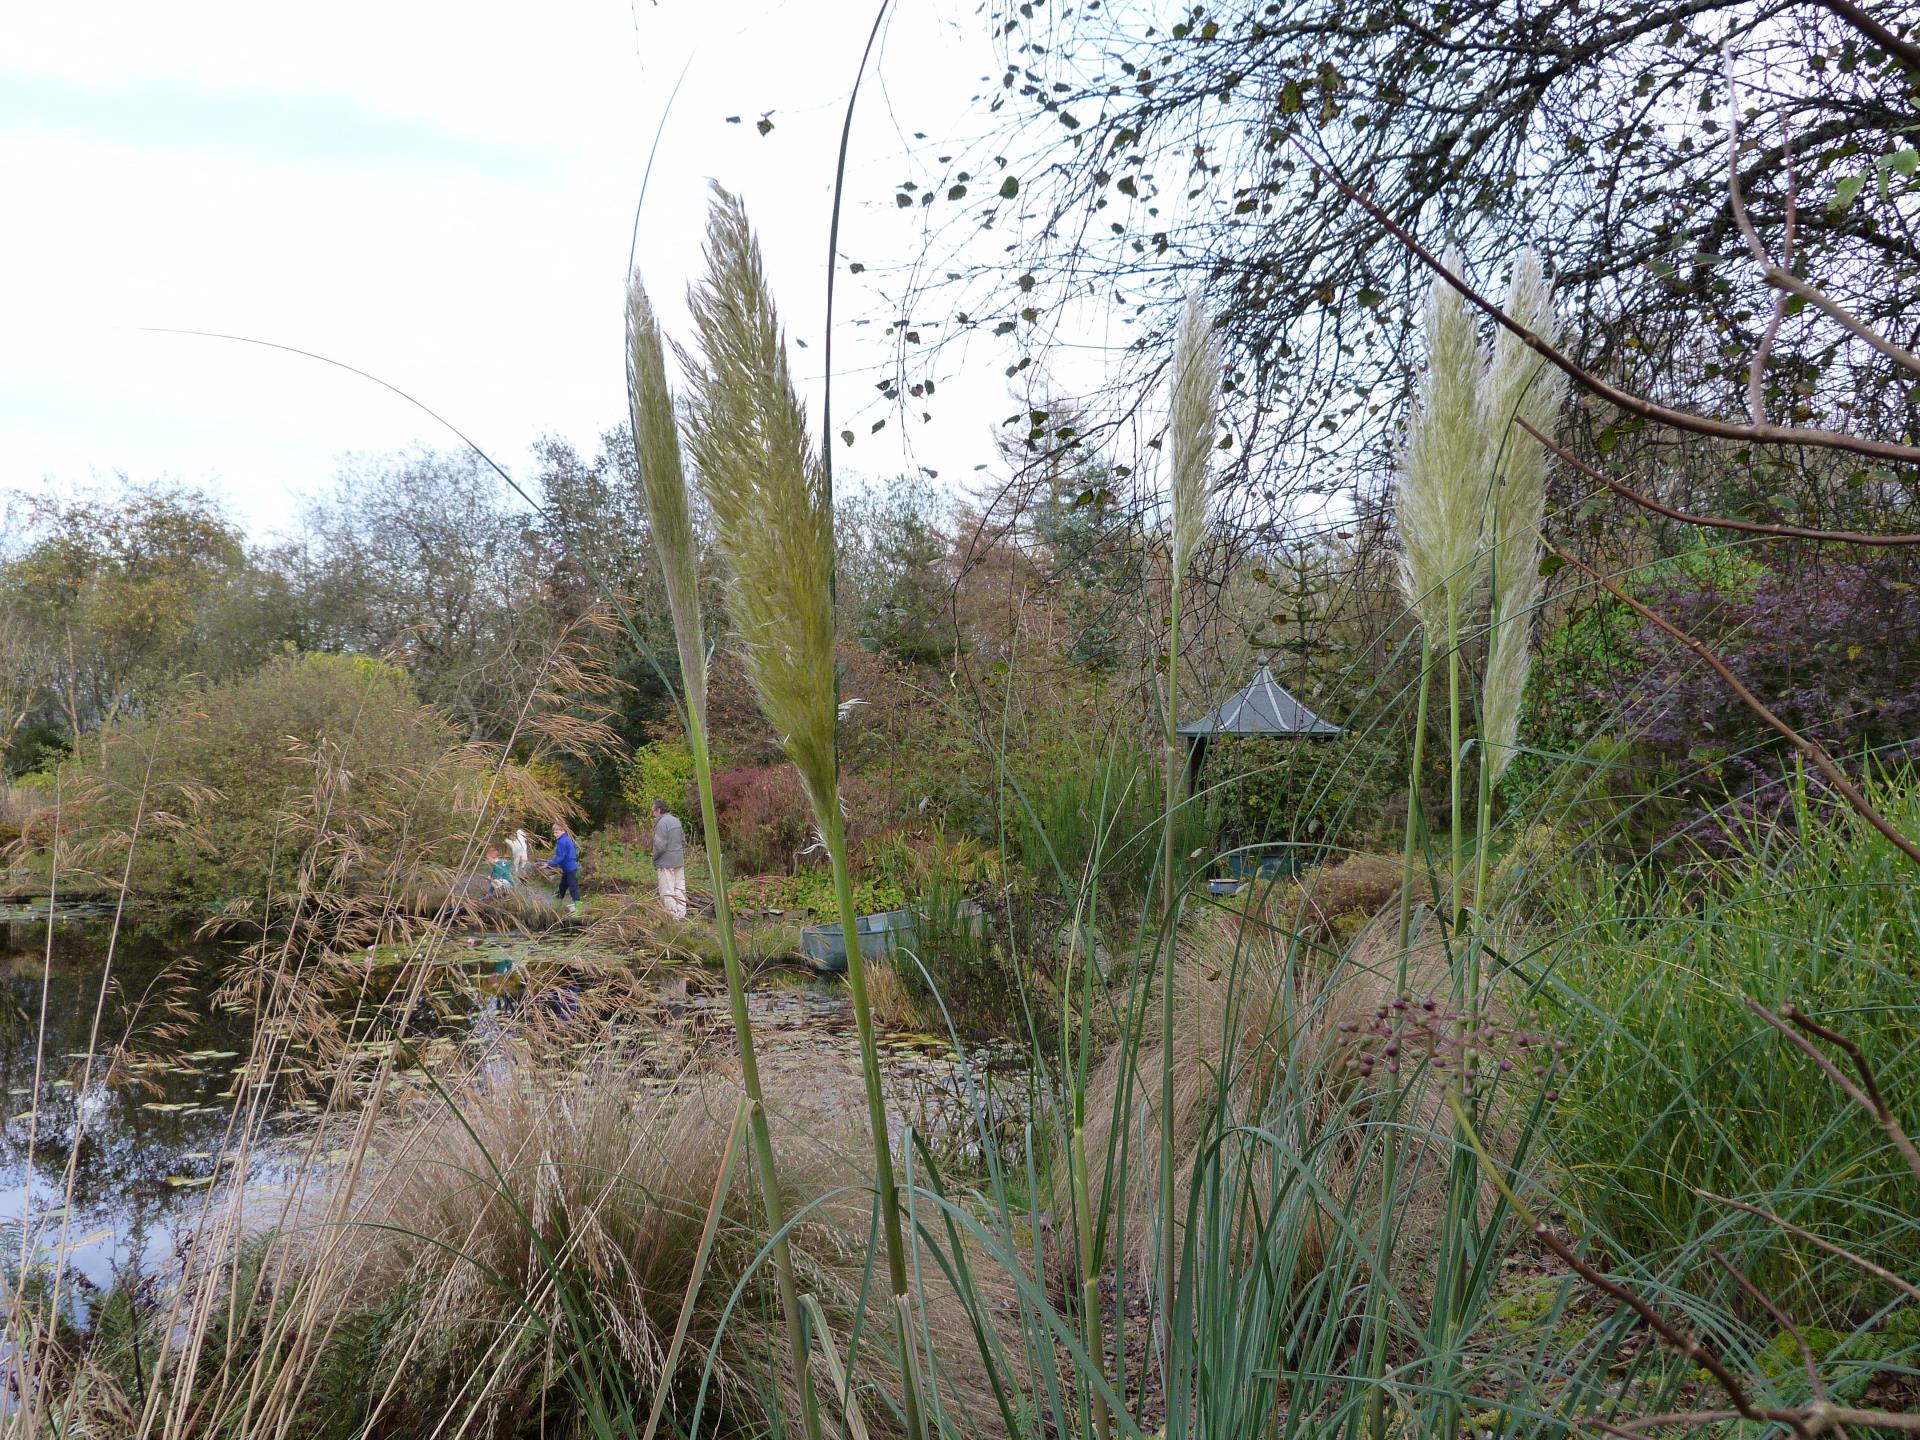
(768, 490)
(1193, 415)
(656, 438)
(1472, 493)
(544, 1238)
(1267, 1033)
(1472, 498)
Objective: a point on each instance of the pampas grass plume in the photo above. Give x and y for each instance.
(656, 444)
(767, 488)
(1519, 385)
(1442, 485)
(1196, 403)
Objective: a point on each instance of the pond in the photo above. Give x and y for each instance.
(129, 1129)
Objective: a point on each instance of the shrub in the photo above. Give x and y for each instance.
(315, 772)
(662, 770)
(1270, 789)
(764, 819)
(767, 824)
(812, 891)
(1666, 748)
(557, 784)
(1834, 650)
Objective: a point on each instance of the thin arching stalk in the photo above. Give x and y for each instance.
(1192, 416)
(794, 1316)
(834, 830)
(1169, 930)
(767, 488)
(1455, 789)
(1390, 1148)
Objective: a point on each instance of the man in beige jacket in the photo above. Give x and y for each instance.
(670, 860)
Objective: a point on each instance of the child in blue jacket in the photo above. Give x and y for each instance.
(566, 859)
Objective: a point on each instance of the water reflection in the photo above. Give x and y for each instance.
(147, 1139)
(170, 1062)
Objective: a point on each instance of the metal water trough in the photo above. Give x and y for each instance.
(826, 947)
(880, 934)
(1263, 863)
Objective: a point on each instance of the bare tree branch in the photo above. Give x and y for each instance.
(1879, 1272)
(1866, 1094)
(1781, 277)
(1759, 434)
(1904, 51)
(1749, 527)
(1785, 1322)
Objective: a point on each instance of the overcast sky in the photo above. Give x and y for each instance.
(441, 194)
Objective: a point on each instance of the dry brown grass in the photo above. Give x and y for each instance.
(1283, 1031)
(893, 1007)
(540, 1202)
(1339, 897)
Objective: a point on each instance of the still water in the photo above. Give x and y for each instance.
(145, 1141)
(134, 1135)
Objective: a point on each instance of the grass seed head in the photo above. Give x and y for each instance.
(1519, 385)
(663, 478)
(1196, 402)
(767, 488)
(1442, 486)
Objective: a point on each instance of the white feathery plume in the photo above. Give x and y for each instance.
(767, 488)
(1196, 407)
(663, 479)
(1442, 484)
(1519, 385)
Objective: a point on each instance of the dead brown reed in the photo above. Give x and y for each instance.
(893, 1007)
(1270, 1033)
(1337, 898)
(539, 1198)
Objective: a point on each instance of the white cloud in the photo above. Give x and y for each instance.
(439, 194)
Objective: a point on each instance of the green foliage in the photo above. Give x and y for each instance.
(662, 770)
(1091, 823)
(957, 967)
(893, 562)
(1676, 1088)
(1574, 706)
(812, 891)
(1099, 562)
(325, 764)
(1270, 790)
(620, 864)
(121, 597)
(37, 749)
